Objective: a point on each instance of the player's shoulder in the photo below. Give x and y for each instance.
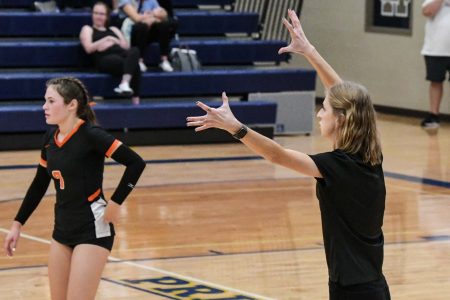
(94, 131)
(92, 128)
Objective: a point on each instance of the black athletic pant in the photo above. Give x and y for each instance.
(118, 64)
(374, 290)
(142, 35)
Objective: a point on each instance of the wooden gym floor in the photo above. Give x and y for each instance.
(216, 222)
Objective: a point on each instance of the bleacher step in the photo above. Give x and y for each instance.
(31, 85)
(70, 23)
(71, 54)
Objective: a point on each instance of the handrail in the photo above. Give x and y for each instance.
(270, 14)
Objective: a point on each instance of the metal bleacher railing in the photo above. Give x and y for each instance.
(270, 14)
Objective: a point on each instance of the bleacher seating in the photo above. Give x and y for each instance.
(175, 3)
(35, 47)
(146, 124)
(119, 116)
(51, 53)
(69, 23)
(31, 85)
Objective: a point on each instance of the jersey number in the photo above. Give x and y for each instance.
(57, 175)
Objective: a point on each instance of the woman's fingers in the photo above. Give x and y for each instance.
(201, 128)
(10, 246)
(109, 217)
(6, 246)
(203, 106)
(285, 49)
(294, 18)
(9, 251)
(197, 123)
(288, 25)
(291, 32)
(225, 99)
(106, 217)
(195, 119)
(213, 117)
(14, 244)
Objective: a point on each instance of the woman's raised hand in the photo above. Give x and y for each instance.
(299, 43)
(221, 118)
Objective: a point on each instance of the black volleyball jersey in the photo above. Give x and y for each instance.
(76, 166)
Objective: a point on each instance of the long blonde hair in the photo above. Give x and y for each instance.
(357, 130)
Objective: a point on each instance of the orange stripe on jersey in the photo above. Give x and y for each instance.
(75, 129)
(94, 195)
(116, 144)
(43, 163)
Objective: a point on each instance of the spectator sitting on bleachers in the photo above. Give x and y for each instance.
(150, 23)
(111, 52)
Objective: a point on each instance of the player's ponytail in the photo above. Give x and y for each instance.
(71, 88)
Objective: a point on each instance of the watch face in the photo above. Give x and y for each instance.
(241, 133)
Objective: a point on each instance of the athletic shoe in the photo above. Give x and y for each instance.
(430, 122)
(166, 66)
(142, 66)
(124, 89)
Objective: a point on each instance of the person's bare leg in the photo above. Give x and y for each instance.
(136, 100)
(88, 262)
(436, 91)
(126, 78)
(59, 269)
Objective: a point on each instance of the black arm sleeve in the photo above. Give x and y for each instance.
(34, 195)
(135, 165)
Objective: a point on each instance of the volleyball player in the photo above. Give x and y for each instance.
(350, 183)
(73, 155)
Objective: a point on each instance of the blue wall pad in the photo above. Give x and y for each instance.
(175, 3)
(71, 54)
(69, 24)
(30, 118)
(31, 85)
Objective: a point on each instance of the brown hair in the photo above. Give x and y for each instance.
(72, 88)
(108, 11)
(357, 131)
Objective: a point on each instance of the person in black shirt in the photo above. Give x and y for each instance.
(111, 52)
(73, 155)
(350, 183)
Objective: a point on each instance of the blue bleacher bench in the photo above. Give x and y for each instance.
(175, 3)
(69, 23)
(30, 118)
(31, 85)
(71, 54)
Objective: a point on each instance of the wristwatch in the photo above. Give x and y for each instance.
(241, 132)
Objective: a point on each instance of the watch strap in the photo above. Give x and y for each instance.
(241, 132)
